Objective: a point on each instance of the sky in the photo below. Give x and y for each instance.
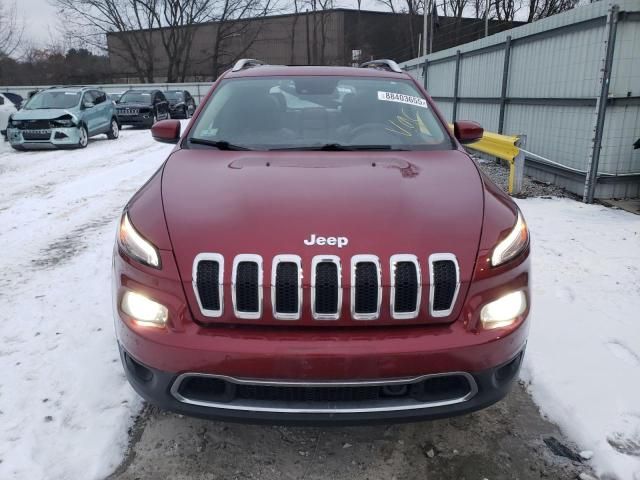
(40, 22)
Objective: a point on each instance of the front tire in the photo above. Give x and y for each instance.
(84, 137)
(114, 130)
(154, 119)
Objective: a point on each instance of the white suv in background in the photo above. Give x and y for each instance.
(6, 109)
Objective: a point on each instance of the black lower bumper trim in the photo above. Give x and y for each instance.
(155, 387)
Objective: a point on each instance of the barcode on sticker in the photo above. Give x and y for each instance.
(402, 98)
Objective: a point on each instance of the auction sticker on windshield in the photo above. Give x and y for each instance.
(402, 98)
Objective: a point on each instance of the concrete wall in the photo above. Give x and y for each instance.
(552, 84)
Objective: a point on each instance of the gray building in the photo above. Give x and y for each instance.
(330, 37)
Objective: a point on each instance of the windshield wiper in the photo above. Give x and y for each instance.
(337, 147)
(219, 144)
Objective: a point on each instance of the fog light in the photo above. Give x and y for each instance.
(143, 310)
(504, 311)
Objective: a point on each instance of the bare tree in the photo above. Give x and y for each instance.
(179, 20)
(10, 29)
(545, 8)
(292, 36)
(457, 7)
(90, 21)
(231, 16)
(506, 9)
(320, 9)
(390, 4)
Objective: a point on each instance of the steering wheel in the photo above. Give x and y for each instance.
(367, 128)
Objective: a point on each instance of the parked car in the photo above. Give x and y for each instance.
(181, 103)
(16, 99)
(320, 257)
(115, 97)
(63, 117)
(142, 108)
(7, 108)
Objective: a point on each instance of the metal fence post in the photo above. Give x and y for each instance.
(516, 171)
(601, 106)
(454, 114)
(505, 81)
(424, 72)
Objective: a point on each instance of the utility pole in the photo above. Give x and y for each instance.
(424, 28)
(432, 29)
(306, 17)
(486, 19)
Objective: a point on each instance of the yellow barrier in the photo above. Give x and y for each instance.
(505, 147)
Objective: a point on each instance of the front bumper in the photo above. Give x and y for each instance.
(43, 139)
(162, 389)
(142, 120)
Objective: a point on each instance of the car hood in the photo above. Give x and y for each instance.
(384, 203)
(41, 114)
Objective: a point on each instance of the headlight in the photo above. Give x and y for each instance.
(143, 310)
(512, 245)
(63, 123)
(135, 245)
(504, 311)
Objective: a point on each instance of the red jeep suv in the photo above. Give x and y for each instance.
(319, 247)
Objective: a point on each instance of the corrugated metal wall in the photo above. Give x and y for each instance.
(553, 80)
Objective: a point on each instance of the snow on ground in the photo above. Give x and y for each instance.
(65, 405)
(583, 355)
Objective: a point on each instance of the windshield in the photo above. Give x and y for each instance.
(135, 97)
(320, 111)
(53, 99)
(173, 95)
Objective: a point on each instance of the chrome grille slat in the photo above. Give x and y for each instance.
(200, 286)
(328, 293)
(247, 291)
(366, 294)
(441, 302)
(405, 290)
(279, 282)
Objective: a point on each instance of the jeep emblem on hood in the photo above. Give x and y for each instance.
(332, 241)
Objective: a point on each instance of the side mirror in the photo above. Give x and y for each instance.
(166, 131)
(88, 105)
(467, 131)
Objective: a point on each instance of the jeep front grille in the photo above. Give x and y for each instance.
(324, 300)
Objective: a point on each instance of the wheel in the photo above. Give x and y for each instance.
(84, 137)
(114, 130)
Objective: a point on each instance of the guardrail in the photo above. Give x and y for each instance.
(504, 147)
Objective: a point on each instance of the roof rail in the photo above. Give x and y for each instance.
(246, 63)
(66, 86)
(384, 64)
